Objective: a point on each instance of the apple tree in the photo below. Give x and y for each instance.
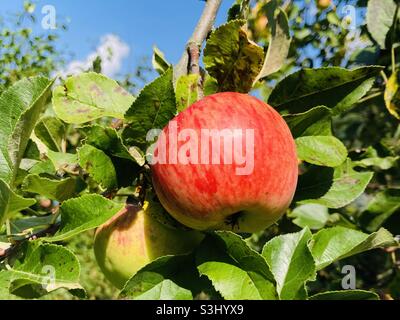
(75, 160)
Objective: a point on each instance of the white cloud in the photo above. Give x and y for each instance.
(112, 51)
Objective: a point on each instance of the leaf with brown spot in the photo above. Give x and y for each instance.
(232, 59)
(98, 165)
(40, 271)
(187, 91)
(325, 151)
(90, 96)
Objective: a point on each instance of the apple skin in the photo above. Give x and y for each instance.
(133, 238)
(323, 4)
(212, 196)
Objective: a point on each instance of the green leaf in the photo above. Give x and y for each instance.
(5, 279)
(53, 189)
(345, 295)
(31, 151)
(108, 140)
(291, 262)
(321, 150)
(394, 286)
(187, 91)
(381, 208)
(332, 187)
(90, 96)
(377, 162)
(279, 45)
(371, 158)
(232, 59)
(45, 268)
(239, 10)
(98, 165)
(380, 14)
(62, 161)
(270, 9)
(336, 88)
(160, 64)
(225, 253)
(337, 243)
(20, 108)
(314, 122)
(42, 167)
(166, 290)
(153, 109)
(165, 278)
(82, 214)
(392, 94)
(337, 219)
(365, 56)
(313, 216)
(51, 131)
(31, 224)
(11, 203)
(210, 85)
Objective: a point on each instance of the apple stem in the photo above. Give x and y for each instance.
(203, 28)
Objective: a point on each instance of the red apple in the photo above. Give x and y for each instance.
(244, 184)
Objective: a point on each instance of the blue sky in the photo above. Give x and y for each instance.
(138, 24)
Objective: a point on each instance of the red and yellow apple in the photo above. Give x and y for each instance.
(245, 183)
(133, 238)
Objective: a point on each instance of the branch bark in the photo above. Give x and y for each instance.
(194, 58)
(51, 230)
(191, 54)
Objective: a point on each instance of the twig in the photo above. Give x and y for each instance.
(393, 58)
(383, 74)
(32, 212)
(194, 57)
(8, 227)
(371, 96)
(52, 229)
(200, 33)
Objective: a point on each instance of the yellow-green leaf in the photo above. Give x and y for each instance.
(392, 95)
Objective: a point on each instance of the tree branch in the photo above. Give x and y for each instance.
(194, 58)
(50, 230)
(200, 33)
